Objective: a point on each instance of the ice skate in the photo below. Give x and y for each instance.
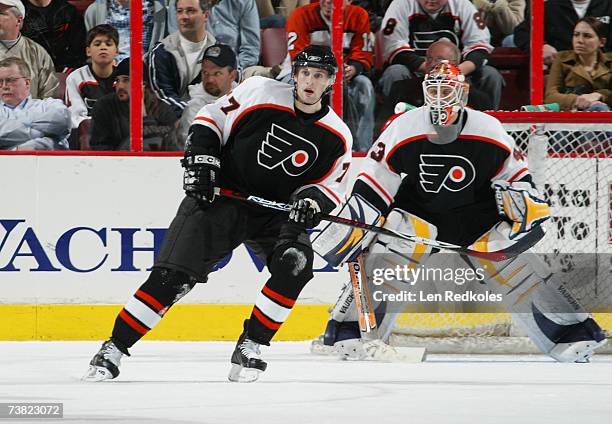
(246, 359)
(105, 364)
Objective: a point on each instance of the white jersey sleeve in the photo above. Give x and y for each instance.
(488, 128)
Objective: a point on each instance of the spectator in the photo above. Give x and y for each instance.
(311, 24)
(162, 24)
(115, 13)
(172, 65)
(236, 23)
(411, 90)
(501, 17)
(560, 17)
(410, 26)
(376, 10)
(218, 78)
(59, 28)
(274, 13)
(27, 123)
(580, 78)
(110, 126)
(43, 82)
(159, 124)
(87, 84)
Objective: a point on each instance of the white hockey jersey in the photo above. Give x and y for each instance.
(447, 185)
(268, 148)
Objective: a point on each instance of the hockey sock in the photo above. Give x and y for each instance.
(146, 308)
(291, 269)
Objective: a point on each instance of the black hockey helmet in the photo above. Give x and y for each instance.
(316, 57)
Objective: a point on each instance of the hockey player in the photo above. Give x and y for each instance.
(446, 172)
(265, 138)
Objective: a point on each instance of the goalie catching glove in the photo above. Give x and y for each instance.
(201, 177)
(521, 203)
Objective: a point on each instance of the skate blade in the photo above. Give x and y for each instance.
(95, 374)
(240, 374)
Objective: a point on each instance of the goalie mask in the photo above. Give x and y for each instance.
(445, 92)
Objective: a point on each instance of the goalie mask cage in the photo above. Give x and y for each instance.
(570, 159)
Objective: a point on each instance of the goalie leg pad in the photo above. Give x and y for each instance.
(552, 318)
(384, 252)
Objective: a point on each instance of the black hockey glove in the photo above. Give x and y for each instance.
(200, 179)
(306, 212)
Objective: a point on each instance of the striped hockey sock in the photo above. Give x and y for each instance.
(138, 316)
(269, 313)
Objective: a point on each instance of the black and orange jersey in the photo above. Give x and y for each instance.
(447, 185)
(270, 149)
(305, 26)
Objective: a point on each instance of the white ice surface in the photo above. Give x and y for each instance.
(186, 382)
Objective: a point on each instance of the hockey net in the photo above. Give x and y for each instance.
(572, 165)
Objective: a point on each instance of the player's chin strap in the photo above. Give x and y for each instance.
(506, 252)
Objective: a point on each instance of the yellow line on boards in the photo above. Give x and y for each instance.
(197, 322)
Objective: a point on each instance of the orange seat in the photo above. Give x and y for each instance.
(273, 46)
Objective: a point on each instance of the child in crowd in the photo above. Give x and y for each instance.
(90, 82)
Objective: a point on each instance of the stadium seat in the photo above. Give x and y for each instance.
(81, 5)
(273, 46)
(513, 64)
(61, 89)
(83, 134)
(379, 58)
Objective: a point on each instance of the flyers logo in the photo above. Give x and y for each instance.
(451, 172)
(290, 151)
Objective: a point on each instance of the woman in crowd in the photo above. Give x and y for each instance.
(580, 78)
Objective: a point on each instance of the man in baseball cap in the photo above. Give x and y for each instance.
(220, 54)
(218, 78)
(14, 3)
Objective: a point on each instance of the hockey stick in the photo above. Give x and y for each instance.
(525, 243)
(369, 345)
(361, 291)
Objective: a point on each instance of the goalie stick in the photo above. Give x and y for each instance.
(525, 243)
(370, 346)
